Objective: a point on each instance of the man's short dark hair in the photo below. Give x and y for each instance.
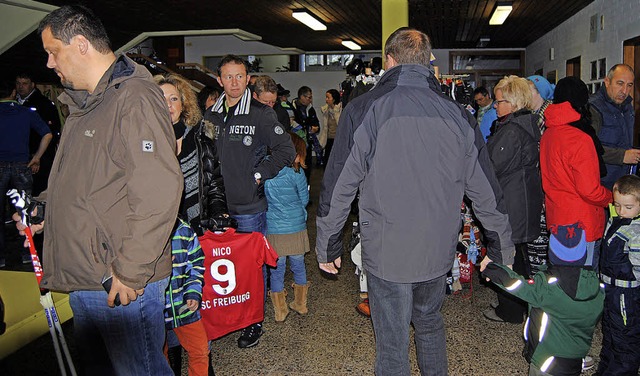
(235, 59)
(70, 20)
(409, 46)
(481, 90)
(25, 76)
(304, 91)
(205, 93)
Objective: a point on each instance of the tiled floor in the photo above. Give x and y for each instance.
(333, 339)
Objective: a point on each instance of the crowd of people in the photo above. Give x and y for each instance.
(145, 166)
(167, 165)
(538, 163)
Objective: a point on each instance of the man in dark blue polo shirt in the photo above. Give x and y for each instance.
(28, 95)
(16, 165)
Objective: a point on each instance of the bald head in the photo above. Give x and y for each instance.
(619, 68)
(619, 83)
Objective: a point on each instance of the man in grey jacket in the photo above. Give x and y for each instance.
(413, 154)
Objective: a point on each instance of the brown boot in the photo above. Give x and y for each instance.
(299, 303)
(280, 305)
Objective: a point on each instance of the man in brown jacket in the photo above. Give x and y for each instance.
(112, 199)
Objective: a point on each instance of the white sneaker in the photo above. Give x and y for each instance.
(587, 363)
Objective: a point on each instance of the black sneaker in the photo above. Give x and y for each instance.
(250, 336)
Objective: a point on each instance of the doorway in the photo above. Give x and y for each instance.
(631, 57)
(573, 67)
(486, 67)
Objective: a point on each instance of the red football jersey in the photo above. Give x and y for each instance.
(233, 291)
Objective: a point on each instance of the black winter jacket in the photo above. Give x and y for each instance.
(249, 140)
(307, 117)
(515, 153)
(213, 202)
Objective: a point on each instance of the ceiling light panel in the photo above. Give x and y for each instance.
(308, 19)
(500, 14)
(351, 45)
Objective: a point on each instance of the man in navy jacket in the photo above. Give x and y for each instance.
(613, 119)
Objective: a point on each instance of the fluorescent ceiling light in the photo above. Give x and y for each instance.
(306, 18)
(351, 45)
(483, 42)
(500, 14)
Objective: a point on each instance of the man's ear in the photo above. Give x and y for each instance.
(390, 62)
(82, 42)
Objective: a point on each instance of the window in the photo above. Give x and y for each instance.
(314, 60)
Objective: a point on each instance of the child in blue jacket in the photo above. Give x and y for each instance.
(287, 198)
(183, 298)
(620, 272)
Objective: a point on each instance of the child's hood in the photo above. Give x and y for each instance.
(579, 284)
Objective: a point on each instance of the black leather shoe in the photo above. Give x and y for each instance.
(250, 336)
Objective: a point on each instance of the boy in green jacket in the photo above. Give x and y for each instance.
(565, 303)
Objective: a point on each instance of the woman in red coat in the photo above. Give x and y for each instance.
(571, 165)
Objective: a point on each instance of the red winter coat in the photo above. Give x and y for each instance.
(571, 174)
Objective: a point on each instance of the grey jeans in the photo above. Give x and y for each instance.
(394, 306)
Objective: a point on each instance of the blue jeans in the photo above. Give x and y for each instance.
(125, 340)
(254, 223)
(394, 306)
(296, 263)
(12, 175)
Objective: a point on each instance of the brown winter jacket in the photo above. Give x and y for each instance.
(115, 185)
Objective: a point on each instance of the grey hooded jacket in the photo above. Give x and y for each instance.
(413, 153)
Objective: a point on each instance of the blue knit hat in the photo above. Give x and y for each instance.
(543, 86)
(568, 246)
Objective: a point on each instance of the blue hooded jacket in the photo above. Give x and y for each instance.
(287, 197)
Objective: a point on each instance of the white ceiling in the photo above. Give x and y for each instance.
(18, 18)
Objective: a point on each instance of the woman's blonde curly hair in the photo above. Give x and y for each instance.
(515, 90)
(191, 114)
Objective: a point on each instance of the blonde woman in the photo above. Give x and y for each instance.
(204, 201)
(182, 103)
(514, 152)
